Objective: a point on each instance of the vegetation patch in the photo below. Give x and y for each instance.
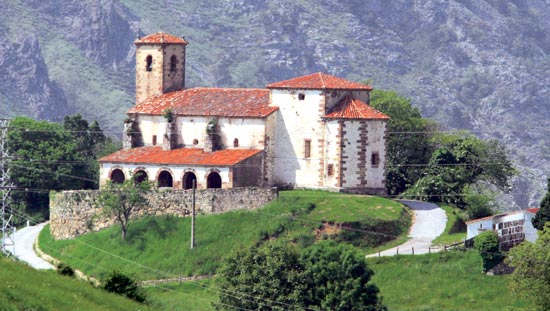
(444, 281)
(455, 230)
(159, 247)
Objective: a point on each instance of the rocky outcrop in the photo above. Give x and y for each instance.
(73, 213)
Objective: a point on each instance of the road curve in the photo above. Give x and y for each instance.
(428, 223)
(24, 239)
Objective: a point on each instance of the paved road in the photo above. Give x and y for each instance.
(24, 240)
(428, 223)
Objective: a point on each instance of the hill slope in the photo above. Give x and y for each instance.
(478, 65)
(23, 288)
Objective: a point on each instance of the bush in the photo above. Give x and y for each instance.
(123, 285)
(488, 247)
(64, 269)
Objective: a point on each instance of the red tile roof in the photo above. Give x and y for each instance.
(181, 156)
(246, 103)
(350, 108)
(533, 210)
(319, 81)
(161, 37)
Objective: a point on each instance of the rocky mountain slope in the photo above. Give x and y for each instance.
(478, 65)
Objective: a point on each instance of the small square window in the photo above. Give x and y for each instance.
(236, 142)
(154, 140)
(330, 169)
(195, 141)
(301, 96)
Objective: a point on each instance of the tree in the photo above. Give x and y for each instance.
(461, 160)
(487, 245)
(123, 285)
(409, 143)
(261, 278)
(121, 200)
(276, 277)
(338, 278)
(543, 215)
(531, 274)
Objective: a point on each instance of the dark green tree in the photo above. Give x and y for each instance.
(531, 274)
(275, 277)
(487, 245)
(338, 278)
(543, 215)
(261, 278)
(121, 200)
(461, 160)
(43, 159)
(123, 285)
(409, 145)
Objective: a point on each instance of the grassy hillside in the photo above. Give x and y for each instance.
(158, 247)
(23, 288)
(445, 281)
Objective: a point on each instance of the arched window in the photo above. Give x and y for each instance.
(214, 180)
(236, 142)
(117, 176)
(188, 179)
(165, 180)
(140, 176)
(149, 63)
(173, 63)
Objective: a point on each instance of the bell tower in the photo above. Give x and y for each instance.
(160, 65)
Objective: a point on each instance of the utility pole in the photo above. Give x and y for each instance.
(193, 215)
(8, 230)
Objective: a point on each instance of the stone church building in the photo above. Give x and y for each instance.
(316, 131)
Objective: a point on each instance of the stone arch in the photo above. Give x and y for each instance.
(116, 175)
(187, 179)
(214, 180)
(141, 175)
(165, 179)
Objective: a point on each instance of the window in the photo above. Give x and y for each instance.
(330, 169)
(149, 63)
(307, 148)
(173, 63)
(375, 159)
(301, 96)
(195, 141)
(236, 142)
(154, 140)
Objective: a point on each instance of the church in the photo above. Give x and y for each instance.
(316, 131)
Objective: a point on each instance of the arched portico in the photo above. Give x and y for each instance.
(214, 180)
(117, 176)
(165, 180)
(188, 179)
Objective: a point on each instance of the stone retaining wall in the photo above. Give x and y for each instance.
(73, 213)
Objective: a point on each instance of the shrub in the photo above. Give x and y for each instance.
(488, 247)
(64, 269)
(123, 285)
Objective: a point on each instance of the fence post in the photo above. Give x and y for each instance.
(413, 250)
(397, 251)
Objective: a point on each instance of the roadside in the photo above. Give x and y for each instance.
(24, 242)
(429, 222)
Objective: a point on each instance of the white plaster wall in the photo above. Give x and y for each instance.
(332, 153)
(350, 175)
(177, 172)
(531, 234)
(297, 120)
(473, 229)
(150, 125)
(377, 143)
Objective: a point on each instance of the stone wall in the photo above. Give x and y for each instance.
(73, 213)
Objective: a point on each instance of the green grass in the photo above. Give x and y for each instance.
(443, 282)
(158, 247)
(189, 296)
(23, 288)
(449, 237)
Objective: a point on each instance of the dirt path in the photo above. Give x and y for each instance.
(428, 223)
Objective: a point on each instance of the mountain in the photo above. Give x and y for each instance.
(477, 65)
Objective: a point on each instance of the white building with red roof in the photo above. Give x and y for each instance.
(316, 131)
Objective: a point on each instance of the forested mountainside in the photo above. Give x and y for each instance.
(481, 65)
